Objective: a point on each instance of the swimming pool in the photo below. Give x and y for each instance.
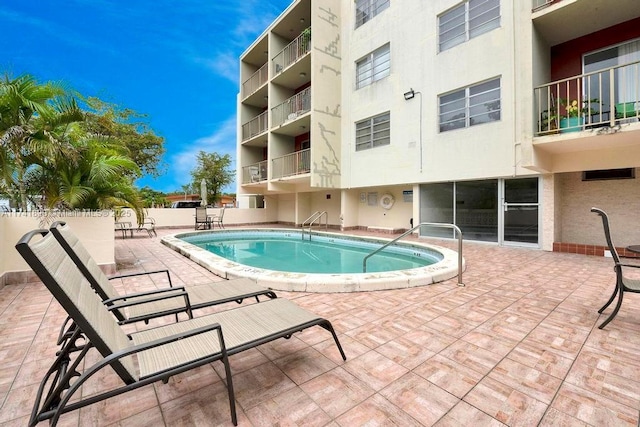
(241, 253)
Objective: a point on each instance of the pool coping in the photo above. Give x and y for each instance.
(442, 270)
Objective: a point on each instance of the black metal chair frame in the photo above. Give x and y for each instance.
(620, 287)
(89, 318)
(117, 304)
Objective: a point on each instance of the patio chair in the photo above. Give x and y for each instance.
(148, 224)
(217, 218)
(254, 173)
(143, 306)
(144, 357)
(202, 219)
(623, 284)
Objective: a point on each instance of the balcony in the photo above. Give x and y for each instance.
(606, 98)
(297, 163)
(292, 108)
(255, 126)
(254, 173)
(539, 4)
(256, 81)
(560, 21)
(295, 50)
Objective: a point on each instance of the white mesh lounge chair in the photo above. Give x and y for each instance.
(143, 306)
(623, 284)
(148, 356)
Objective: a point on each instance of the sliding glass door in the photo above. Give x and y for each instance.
(492, 210)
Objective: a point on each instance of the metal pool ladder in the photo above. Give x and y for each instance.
(316, 216)
(430, 224)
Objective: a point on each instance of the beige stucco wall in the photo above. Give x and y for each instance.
(186, 217)
(376, 216)
(95, 232)
(326, 96)
(619, 198)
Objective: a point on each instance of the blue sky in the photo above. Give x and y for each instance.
(176, 61)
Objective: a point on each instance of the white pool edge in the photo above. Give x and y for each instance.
(445, 269)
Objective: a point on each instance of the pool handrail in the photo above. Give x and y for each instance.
(316, 216)
(430, 224)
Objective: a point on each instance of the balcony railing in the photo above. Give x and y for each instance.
(256, 80)
(292, 52)
(255, 172)
(293, 107)
(255, 126)
(292, 164)
(603, 98)
(539, 4)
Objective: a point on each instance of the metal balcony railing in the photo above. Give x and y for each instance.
(255, 126)
(256, 81)
(293, 107)
(292, 164)
(602, 98)
(300, 46)
(255, 172)
(539, 4)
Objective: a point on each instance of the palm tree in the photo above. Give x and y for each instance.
(34, 120)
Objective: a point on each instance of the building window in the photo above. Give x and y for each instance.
(373, 132)
(374, 66)
(599, 175)
(470, 106)
(367, 9)
(466, 21)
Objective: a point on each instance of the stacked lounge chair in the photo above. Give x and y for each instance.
(148, 356)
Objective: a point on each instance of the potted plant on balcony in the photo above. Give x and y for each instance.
(573, 119)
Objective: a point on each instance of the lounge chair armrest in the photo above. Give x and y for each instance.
(629, 265)
(177, 291)
(138, 301)
(144, 273)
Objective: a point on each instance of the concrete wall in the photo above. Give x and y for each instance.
(376, 216)
(186, 217)
(95, 231)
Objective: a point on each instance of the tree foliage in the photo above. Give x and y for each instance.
(60, 156)
(124, 127)
(215, 170)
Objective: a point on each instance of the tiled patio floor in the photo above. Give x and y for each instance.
(518, 345)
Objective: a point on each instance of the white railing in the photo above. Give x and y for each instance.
(603, 98)
(255, 172)
(539, 4)
(255, 126)
(256, 81)
(292, 164)
(300, 46)
(293, 107)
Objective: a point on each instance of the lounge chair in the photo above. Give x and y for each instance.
(202, 219)
(623, 284)
(160, 353)
(143, 306)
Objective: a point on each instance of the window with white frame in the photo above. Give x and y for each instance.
(470, 106)
(367, 9)
(374, 66)
(373, 132)
(466, 21)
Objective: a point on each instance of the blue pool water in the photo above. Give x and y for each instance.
(286, 251)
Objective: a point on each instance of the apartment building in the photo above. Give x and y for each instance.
(508, 119)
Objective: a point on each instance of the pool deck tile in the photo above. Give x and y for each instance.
(518, 345)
